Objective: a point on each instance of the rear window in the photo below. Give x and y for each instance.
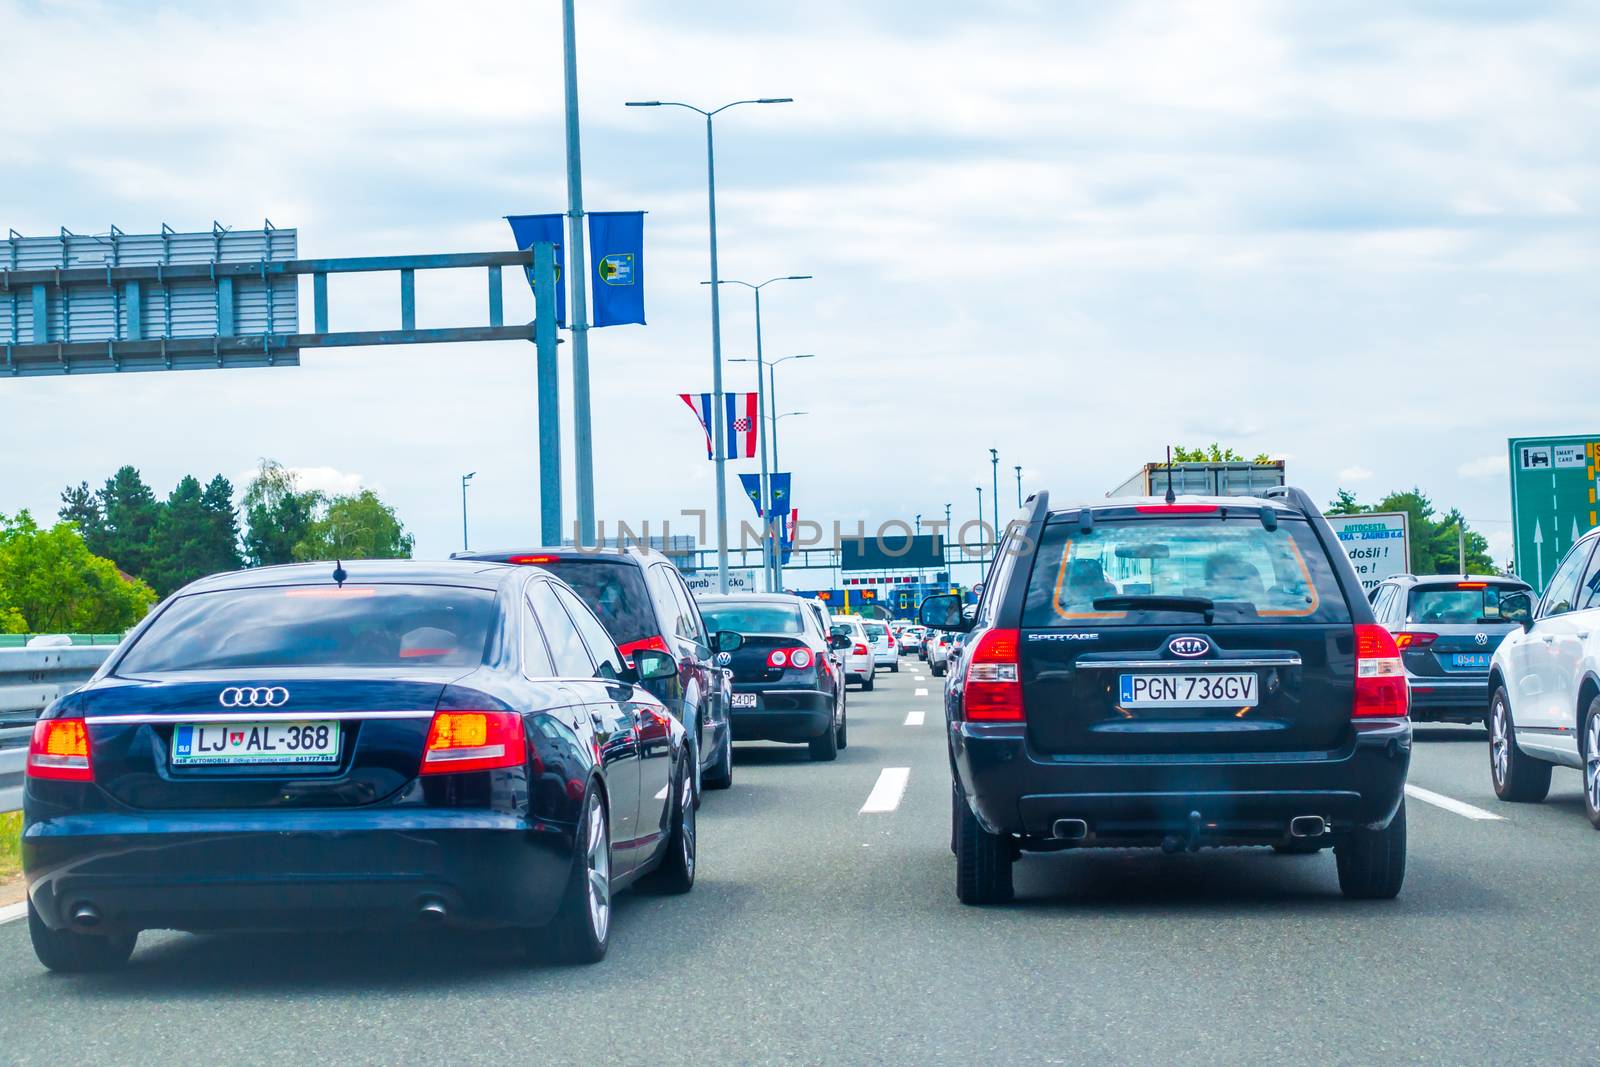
(317, 626)
(874, 630)
(1244, 570)
(1467, 602)
(615, 592)
(753, 618)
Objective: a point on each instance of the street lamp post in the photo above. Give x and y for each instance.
(465, 478)
(717, 433)
(980, 528)
(1019, 486)
(994, 498)
(578, 268)
(769, 551)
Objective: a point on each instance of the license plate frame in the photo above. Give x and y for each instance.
(1478, 661)
(745, 701)
(1199, 689)
(256, 744)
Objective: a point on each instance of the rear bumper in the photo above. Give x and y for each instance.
(792, 715)
(296, 871)
(1141, 799)
(1449, 699)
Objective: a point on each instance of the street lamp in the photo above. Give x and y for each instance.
(1019, 486)
(772, 393)
(994, 499)
(718, 442)
(768, 552)
(980, 528)
(465, 478)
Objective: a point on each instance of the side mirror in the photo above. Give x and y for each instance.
(1517, 608)
(838, 642)
(651, 664)
(729, 641)
(942, 612)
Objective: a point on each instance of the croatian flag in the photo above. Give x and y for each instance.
(739, 421)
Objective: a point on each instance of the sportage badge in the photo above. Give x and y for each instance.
(1189, 646)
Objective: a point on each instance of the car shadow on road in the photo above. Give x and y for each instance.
(1426, 734)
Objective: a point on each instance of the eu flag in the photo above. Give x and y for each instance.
(526, 230)
(616, 246)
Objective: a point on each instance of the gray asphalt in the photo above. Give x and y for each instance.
(818, 934)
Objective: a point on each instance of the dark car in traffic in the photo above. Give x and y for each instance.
(364, 745)
(786, 686)
(1175, 673)
(642, 600)
(1447, 627)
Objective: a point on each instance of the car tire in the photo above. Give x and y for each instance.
(1591, 763)
(1517, 776)
(938, 672)
(826, 747)
(1372, 863)
(983, 860)
(721, 776)
(676, 873)
(867, 683)
(581, 930)
(841, 733)
(894, 668)
(70, 952)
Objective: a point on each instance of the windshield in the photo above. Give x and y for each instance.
(615, 592)
(1465, 602)
(1244, 569)
(317, 626)
(753, 618)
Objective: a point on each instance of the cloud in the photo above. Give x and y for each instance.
(327, 480)
(1356, 473)
(1495, 466)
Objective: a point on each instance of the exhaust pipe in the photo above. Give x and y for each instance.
(432, 911)
(86, 916)
(1070, 829)
(1307, 826)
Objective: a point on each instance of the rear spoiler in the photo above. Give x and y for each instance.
(1349, 582)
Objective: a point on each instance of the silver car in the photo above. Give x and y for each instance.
(858, 662)
(1447, 627)
(940, 645)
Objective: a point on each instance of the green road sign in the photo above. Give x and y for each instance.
(1552, 501)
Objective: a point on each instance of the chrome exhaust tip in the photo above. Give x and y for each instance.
(432, 911)
(1070, 829)
(86, 916)
(1307, 826)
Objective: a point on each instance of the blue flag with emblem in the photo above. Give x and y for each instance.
(616, 245)
(526, 230)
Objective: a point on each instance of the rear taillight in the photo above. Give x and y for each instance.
(1380, 678)
(993, 691)
(474, 741)
(800, 658)
(861, 650)
(654, 643)
(891, 640)
(1404, 641)
(60, 749)
(778, 657)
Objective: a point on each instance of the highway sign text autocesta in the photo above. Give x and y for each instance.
(1378, 543)
(1552, 501)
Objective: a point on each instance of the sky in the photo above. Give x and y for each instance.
(1360, 236)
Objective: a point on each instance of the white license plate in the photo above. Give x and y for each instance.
(312, 741)
(744, 700)
(1188, 690)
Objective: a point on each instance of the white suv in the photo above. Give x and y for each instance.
(858, 664)
(1544, 684)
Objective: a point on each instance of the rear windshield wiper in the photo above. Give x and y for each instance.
(1156, 602)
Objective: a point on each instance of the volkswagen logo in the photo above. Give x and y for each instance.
(275, 696)
(1482, 639)
(724, 658)
(1189, 647)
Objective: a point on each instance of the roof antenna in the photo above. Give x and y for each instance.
(339, 573)
(1171, 498)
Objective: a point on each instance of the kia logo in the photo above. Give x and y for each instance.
(257, 697)
(1188, 647)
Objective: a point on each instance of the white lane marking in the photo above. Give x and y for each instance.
(1428, 796)
(885, 796)
(920, 693)
(12, 912)
(914, 718)
(918, 678)
(663, 794)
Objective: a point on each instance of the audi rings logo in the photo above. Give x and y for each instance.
(275, 696)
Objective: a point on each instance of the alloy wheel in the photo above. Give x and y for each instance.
(1591, 764)
(1500, 744)
(686, 816)
(599, 863)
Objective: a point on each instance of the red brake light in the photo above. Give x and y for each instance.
(60, 749)
(861, 650)
(533, 559)
(474, 741)
(653, 642)
(778, 657)
(1404, 641)
(1472, 585)
(1176, 509)
(1380, 691)
(993, 690)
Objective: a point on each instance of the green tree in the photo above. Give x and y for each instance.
(1346, 504)
(223, 542)
(277, 514)
(1436, 539)
(52, 582)
(196, 535)
(81, 507)
(131, 513)
(1214, 453)
(359, 526)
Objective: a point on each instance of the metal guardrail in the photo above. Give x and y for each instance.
(30, 678)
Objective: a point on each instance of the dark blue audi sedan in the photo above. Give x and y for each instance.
(369, 744)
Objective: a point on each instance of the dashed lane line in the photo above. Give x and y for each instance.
(1439, 800)
(914, 718)
(920, 693)
(885, 796)
(918, 678)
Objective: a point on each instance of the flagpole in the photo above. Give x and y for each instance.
(578, 266)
